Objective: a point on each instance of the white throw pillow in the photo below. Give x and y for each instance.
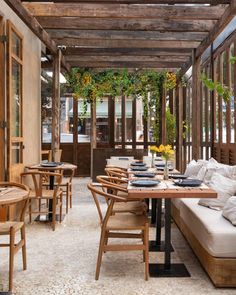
(193, 168)
(201, 173)
(229, 210)
(224, 186)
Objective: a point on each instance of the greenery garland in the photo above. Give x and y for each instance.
(147, 85)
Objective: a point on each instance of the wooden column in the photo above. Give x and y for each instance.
(163, 117)
(171, 101)
(196, 116)
(75, 130)
(123, 121)
(93, 134)
(134, 123)
(55, 145)
(179, 125)
(111, 121)
(213, 105)
(2, 104)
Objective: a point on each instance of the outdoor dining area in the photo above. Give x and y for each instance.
(117, 147)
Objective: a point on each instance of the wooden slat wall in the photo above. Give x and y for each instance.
(218, 143)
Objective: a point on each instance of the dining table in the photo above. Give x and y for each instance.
(167, 190)
(10, 196)
(52, 167)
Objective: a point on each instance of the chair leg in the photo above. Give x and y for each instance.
(67, 199)
(143, 239)
(11, 258)
(30, 211)
(53, 214)
(61, 207)
(70, 194)
(23, 247)
(100, 252)
(146, 243)
(106, 239)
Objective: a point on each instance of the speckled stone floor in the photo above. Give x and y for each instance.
(63, 262)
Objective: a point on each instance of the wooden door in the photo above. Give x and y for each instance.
(15, 103)
(2, 103)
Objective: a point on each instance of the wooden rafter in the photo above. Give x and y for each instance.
(126, 24)
(126, 43)
(128, 35)
(170, 2)
(70, 51)
(124, 11)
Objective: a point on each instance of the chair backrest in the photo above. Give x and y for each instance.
(102, 191)
(22, 202)
(116, 172)
(39, 177)
(111, 180)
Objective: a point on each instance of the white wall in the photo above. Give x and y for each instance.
(31, 87)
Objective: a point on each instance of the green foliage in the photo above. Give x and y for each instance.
(233, 60)
(221, 89)
(91, 85)
(170, 127)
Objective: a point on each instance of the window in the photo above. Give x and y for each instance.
(15, 95)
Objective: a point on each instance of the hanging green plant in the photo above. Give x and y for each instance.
(222, 90)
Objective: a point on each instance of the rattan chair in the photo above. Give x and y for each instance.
(119, 226)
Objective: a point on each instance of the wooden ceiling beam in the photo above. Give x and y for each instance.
(96, 43)
(121, 35)
(126, 51)
(35, 27)
(125, 58)
(170, 2)
(136, 64)
(228, 15)
(124, 11)
(127, 25)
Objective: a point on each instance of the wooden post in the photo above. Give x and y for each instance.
(179, 124)
(55, 144)
(75, 130)
(213, 105)
(196, 115)
(163, 117)
(171, 101)
(2, 104)
(134, 123)
(93, 132)
(111, 121)
(123, 121)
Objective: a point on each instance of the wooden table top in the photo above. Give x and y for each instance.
(167, 189)
(63, 166)
(11, 195)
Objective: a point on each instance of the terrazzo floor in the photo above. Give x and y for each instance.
(63, 262)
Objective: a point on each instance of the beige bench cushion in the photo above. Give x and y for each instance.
(216, 234)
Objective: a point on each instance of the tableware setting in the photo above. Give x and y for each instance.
(146, 175)
(139, 168)
(144, 183)
(188, 182)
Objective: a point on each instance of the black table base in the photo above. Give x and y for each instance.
(175, 270)
(160, 247)
(5, 293)
(47, 218)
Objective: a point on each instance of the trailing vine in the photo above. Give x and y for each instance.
(147, 85)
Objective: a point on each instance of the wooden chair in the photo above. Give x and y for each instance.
(39, 193)
(136, 206)
(66, 186)
(11, 227)
(117, 225)
(116, 172)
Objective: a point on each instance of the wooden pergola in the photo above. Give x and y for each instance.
(171, 34)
